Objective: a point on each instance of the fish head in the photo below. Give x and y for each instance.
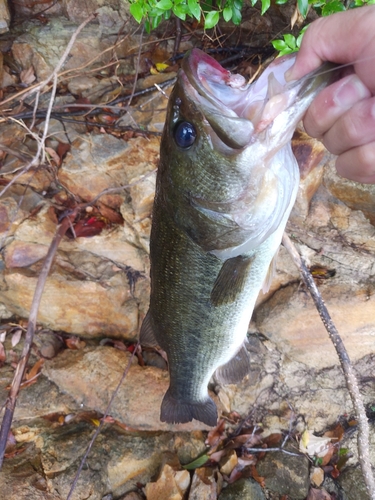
(226, 161)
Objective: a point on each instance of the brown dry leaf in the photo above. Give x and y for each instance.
(235, 475)
(273, 440)
(110, 214)
(335, 472)
(2, 354)
(247, 440)
(294, 17)
(218, 455)
(53, 156)
(216, 435)
(27, 76)
(327, 457)
(74, 343)
(34, 370)
(16, 337)
(336, 433)
(316, 494)
(110, 420)
(63, 149)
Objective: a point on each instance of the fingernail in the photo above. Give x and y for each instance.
(350, 91)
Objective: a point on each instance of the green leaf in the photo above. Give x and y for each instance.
(198, 462)
(332, 7)
(236, 16)
(194, 8)
(300, 36)
(164, 5)
(303, 7)
(156, 21)
(238, 4)
(136, 11)
(281, 2)
(290, 41)
(253, 2)
(279, 45)
(212, 18)
(265, 6)
(180, 11)
(227, 13)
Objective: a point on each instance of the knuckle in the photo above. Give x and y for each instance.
(366, 157)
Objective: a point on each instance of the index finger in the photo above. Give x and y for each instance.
(345, 37)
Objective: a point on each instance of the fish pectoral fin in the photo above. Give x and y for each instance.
(174, 411)
(147, 335)
(270, 273)
(231, 280)
(236, 369)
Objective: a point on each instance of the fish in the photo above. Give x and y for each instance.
(226, 183)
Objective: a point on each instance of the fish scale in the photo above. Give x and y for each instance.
(222, 202)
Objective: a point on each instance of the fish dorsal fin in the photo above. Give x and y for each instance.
(147, 335)
(231, 280)
(236, 369)
(270, 273)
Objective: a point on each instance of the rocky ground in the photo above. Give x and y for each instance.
(97, 292)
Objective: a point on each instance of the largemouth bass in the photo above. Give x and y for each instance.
(226, 184)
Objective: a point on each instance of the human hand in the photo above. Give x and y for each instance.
(343, 115)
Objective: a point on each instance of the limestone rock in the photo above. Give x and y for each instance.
(355, 195)
(139, 398)
(203, 485)
(244, 489)
(290, 320)
(171, 485)
(285, 474)
(4, 16)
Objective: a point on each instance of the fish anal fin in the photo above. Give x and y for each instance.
(231, 280)
(236, 369)
(174, 411)
(147, 335)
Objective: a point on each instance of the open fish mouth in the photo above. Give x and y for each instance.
(237, 111)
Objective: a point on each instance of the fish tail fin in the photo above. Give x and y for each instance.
(174, 411)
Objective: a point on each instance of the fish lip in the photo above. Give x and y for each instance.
(191, 90)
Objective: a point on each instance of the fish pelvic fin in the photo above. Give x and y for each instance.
(174, 411)
(147, 335)
(231, 280)
(236, 369)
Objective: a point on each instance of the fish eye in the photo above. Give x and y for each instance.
(185, 135)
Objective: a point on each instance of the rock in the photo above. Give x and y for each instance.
(355, 195)
(138, 401)
(352, 484)
(4, 16)
(98, 284)
(243, 489)
(317, 476)
(339, 240)
(311, 156)
(285, 474)
(228, 463)
(171, 485)
(203, 485)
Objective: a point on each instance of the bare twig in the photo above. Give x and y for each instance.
(12, 397)
(102, 421)
(351, 380)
